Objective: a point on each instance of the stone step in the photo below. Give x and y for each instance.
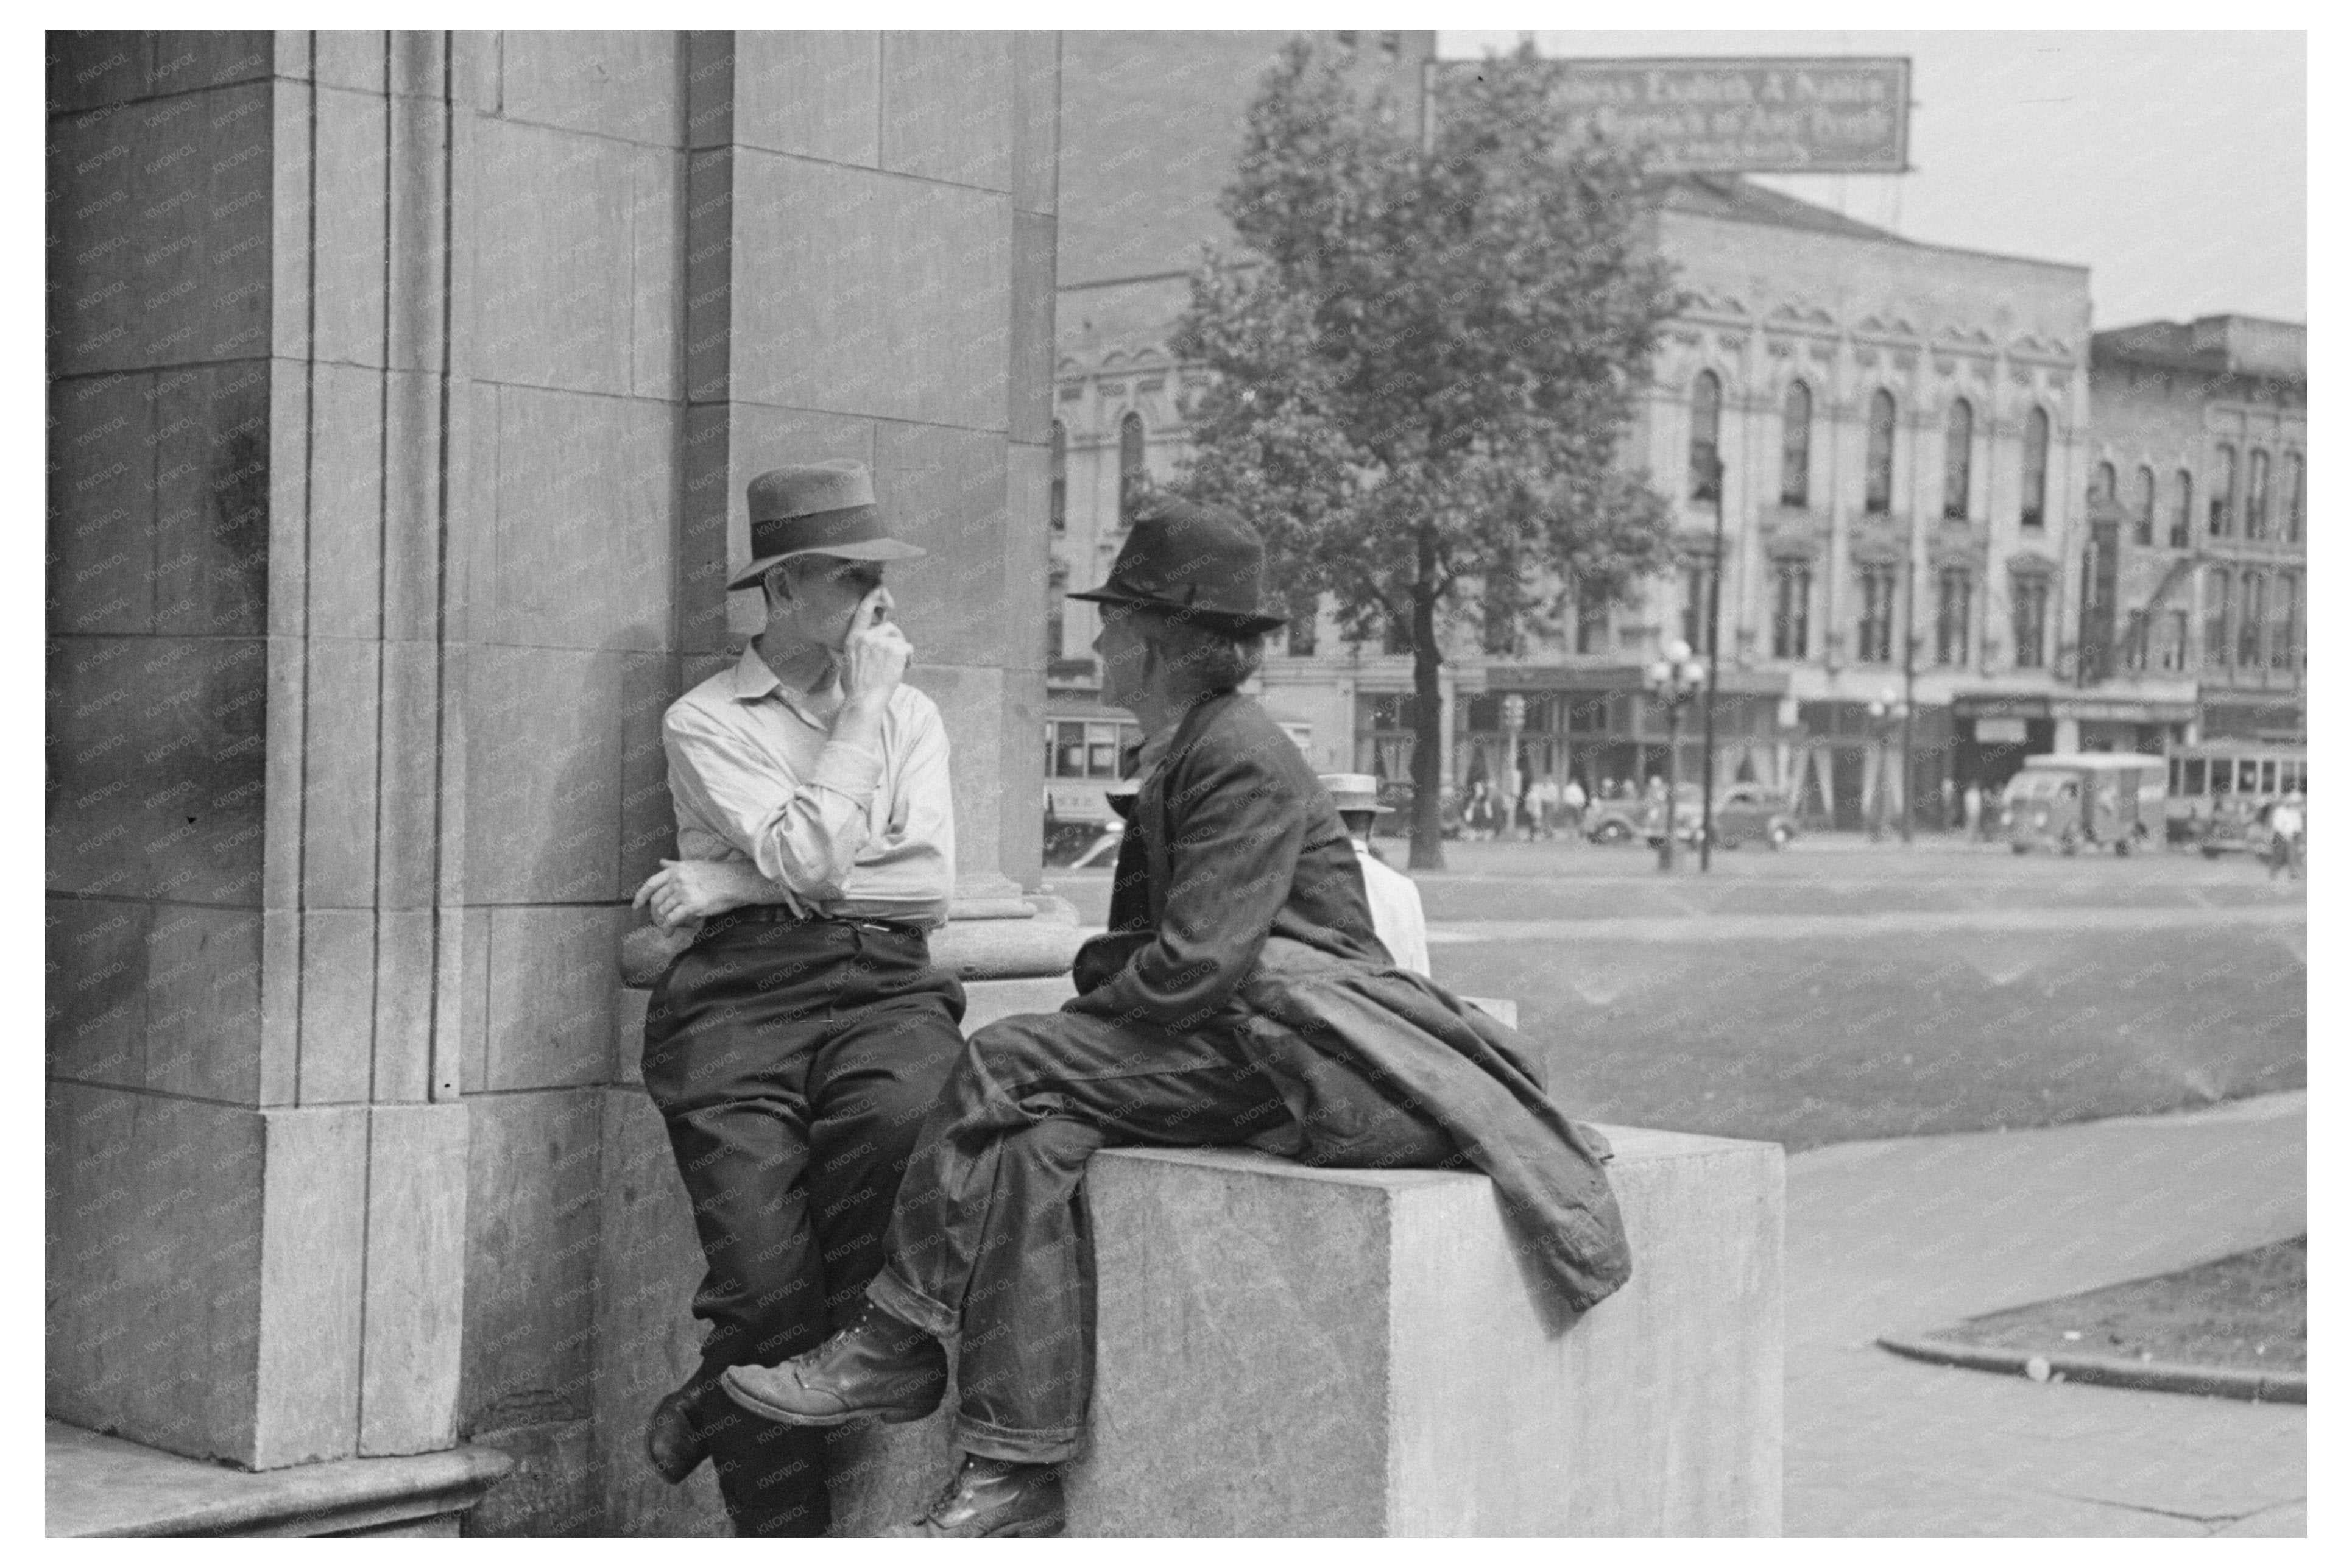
(102, 1486)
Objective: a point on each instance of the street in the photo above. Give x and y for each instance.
(1842, 990)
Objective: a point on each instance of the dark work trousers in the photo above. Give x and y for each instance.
(990, 1239)
(793, 1065)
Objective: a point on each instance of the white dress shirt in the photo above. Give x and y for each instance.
(1397, 918)
(755, 775)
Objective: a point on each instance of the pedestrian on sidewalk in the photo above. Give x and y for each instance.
(2286, 838)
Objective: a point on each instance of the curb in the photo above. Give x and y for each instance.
(2163, 1377)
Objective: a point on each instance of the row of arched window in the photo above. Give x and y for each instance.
(1130, 472)
(2223, 513)
(2264, 614)
(1878, 453)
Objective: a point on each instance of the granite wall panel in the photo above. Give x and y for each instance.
(814, 94)
(101, 523)
(314, 1176)
(408, 804)
(945, 489)
(155, 1268)
(531, 1259)
(88, 67)
(947, 101)
(552, 973)
(861, 293)
(403, 1065)
(553, 298)
(350, 130)
(211, 499)
(573, 557)
(969, 700)
(95, 998)
(1036, 123)
(414, 1302)
(341, 693)
(337, 1064)
(618, 84)
(203, 1026)
(349, 57)
(543, 774)
(1029, 390)
(155, 767)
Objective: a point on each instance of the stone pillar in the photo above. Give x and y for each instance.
(404, 387)
(255, 1178)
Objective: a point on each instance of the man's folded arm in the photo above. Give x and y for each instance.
(803, 835)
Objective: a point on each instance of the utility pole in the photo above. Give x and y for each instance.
(1706, 719)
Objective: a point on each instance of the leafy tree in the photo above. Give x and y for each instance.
(1426, 360)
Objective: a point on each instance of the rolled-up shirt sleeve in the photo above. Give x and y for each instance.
(805, 835)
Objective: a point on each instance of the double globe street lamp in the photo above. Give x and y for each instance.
(1888, 713)
(1673, 680)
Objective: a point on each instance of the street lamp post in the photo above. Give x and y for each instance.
(1910, 663)
(1673, 680)
(1706, 722)
(1887, 711)
(1515, 718)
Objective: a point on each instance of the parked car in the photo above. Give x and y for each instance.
(1742, 811)
(2238, 822)
(1756, 811)
(1617, 821)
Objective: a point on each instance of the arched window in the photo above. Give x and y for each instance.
(2143, 507)
(1130, 467)
(2102, 482)
(1796, 445)
(2217, 618)
(2033, 492)
(2222, 493)
(2258, 494)
(2251, 619)
(1706, 425)
(2283, 632)
(2184, 508)
(1058, 489)
(1057, 583)
(2294, 498)
(1878, 477)
(1960, 433)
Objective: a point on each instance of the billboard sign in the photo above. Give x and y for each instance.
(1837, 115)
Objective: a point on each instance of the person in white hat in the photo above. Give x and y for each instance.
(1397, 918)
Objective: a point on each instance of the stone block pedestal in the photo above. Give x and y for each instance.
(1289, 1352)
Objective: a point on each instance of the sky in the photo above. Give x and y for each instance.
(2171, 163)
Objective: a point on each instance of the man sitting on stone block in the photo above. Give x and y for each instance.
(1241, 996)
(794, 1048)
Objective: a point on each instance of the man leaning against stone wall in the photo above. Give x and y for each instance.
(795, 1045)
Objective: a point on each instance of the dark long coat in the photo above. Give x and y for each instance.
(1238, 904)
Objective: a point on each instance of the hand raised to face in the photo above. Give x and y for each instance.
(874, 656)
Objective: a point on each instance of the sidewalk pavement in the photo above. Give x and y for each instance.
(1916, 1233)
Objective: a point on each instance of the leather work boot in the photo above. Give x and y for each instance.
(875, 1366)
(991, 1497)
(672, 1444)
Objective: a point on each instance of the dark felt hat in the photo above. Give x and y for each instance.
(817, 509)
(1199, 563)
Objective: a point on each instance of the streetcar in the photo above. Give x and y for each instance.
(2212, 785)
